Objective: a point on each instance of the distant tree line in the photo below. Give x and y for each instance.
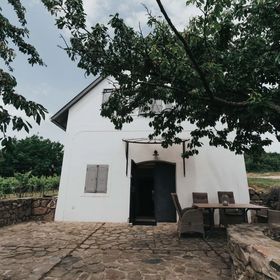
(30, 166)
(262, 162)
(40, 157)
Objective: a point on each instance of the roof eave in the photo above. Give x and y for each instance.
(58, 124)
(63, 112)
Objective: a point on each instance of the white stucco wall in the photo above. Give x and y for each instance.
(92, 139)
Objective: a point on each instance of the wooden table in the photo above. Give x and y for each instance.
(212, 206)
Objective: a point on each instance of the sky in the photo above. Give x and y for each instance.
(53, 86)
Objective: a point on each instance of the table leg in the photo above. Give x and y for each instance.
(246, 215)
(211, 217)
(211, 229)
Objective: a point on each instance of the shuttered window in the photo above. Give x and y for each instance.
(168, 106)
(106, 94)
(96, 178)
(156, 107)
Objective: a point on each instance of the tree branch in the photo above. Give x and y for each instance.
(274, 107)
(216, 99)
(231, 103)
(219, 100)
(187, 50)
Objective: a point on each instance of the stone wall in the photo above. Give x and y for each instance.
(43, 209)
(256, 197)
(15, 211)
(19, 210)
(255, 256)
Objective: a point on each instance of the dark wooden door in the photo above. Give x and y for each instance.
(164, 184)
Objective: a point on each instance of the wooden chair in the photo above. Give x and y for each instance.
(230, 216)
(262, 216)
(274, 223)
(273, 216)
(190, 219)
(202, 197)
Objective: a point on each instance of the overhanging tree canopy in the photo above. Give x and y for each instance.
(13, 38)
(222, 69)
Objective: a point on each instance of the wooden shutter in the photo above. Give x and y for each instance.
(102, 178)
(169, 106)
(106, 94)
(157, 106)
(91, 179)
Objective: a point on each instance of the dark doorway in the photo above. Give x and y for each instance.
(150, 200)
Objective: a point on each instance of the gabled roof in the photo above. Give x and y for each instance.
(61, 117)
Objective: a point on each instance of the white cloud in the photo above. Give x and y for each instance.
(134, 12)
(275, 146)
(42, 89)
(97, 11)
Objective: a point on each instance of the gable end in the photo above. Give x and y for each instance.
(61, 117)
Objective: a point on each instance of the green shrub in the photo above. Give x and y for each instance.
(35, 184)
(52, 183)
(26, 184)
(8, 185)
(23, 182)
(272, 198)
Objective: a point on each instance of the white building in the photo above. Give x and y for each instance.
(119, 176)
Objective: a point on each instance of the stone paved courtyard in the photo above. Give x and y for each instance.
(87, 251)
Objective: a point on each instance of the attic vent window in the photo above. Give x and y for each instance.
(156, 107)
(106, 94)
(96, 178)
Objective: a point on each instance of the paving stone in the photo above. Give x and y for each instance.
(83, 276)
(95, 268)
(114, 274)
(89, 251)
(135, 275)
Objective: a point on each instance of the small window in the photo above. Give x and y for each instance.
(156, 107)
(96, 179)
(106, 94)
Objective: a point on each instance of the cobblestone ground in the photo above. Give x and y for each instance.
(88, 251)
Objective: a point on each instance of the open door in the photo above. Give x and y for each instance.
(150, 199)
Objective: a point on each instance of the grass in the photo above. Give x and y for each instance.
(264, 175)
(29, 194)
(264, 181)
